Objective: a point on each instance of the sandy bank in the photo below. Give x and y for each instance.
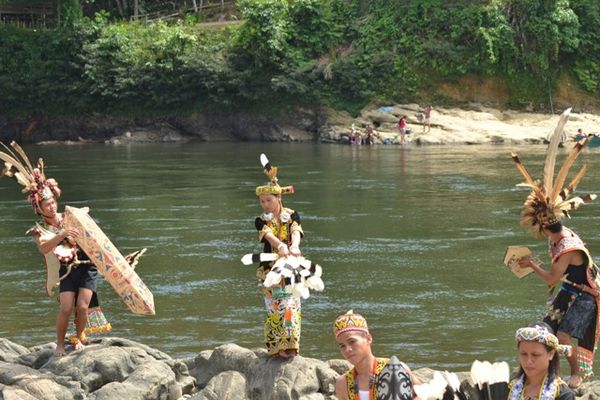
(459, 126)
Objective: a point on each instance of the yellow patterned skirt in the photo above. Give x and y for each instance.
(282, 327)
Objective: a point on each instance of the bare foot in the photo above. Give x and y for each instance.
(575, 381)
(78, 345)
(83, 339)
(289, 353)
(59, 352)
(283, 354)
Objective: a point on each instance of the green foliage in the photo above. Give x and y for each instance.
(70, 12)
(587, 59)
(37, 69)
(262, 40)
(151, 67)
(343, 53)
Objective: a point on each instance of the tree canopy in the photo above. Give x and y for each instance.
(342, 53)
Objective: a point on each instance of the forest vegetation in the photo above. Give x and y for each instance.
(337, 53)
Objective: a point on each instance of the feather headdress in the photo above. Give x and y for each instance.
(549, 201)
(34, 181)
(273, 186)
(443, 386)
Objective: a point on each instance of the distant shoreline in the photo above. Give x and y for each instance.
(478, 125)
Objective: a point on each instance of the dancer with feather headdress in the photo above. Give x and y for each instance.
(280, 231)
(67, 266)
(574, 310)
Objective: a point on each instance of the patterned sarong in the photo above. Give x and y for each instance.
(587, 346)
(282, 327)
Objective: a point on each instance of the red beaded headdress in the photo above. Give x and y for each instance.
(36, 185)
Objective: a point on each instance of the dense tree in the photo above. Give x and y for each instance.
(339, 52)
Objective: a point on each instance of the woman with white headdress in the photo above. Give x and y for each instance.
(539, 376)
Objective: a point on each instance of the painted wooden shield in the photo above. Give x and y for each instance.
(109, 261)
(393, 382)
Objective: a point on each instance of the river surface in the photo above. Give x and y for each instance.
(411, 237)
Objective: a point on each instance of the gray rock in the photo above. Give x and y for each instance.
(339, 366)
(14, 393)
(115, 368)
(11, 373)
(37, 356)
(151, 380)
(200, 367)
(10, 351)
(229, 385)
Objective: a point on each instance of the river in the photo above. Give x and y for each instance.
(411, 237)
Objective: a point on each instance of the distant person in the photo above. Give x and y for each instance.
(402, 129)
(369, 135)
(354, 341)
(427, 119)
(355, 137)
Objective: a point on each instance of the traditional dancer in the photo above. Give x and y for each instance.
(66, 265)
(574, 310)
(363, 381)
(539, 376)
(280, 231)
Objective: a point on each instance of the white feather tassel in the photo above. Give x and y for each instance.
(250, 258)
(434, 389)
(263, 160)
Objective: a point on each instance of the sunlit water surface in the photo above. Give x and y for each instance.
(411, 237)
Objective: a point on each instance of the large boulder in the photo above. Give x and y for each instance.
(258, 376)
(116, 368)
(10, 351)
(227, 385)
(109, 368)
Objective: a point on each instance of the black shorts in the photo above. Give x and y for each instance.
(579, 316)
(83, 276)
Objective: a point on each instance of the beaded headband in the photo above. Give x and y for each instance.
(272, 187)
(541, 334)
(350, 322)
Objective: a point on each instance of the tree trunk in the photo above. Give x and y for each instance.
(120, 8)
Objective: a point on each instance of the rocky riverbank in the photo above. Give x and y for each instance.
(116, 368)
(476, 125)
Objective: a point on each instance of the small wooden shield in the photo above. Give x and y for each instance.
(393, 382)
